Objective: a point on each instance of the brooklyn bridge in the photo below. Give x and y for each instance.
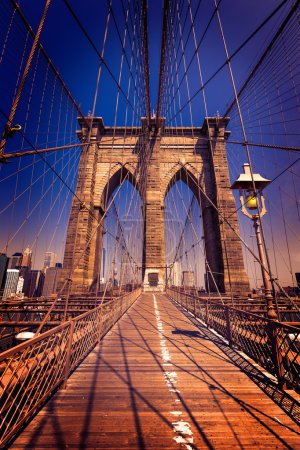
(149, 234)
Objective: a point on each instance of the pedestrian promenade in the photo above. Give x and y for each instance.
(158, 381)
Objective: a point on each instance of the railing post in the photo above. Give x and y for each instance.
(68, 358)
(206, 314)
(228, 329)
(99, 324)
(195, 306)
(115, 311)
(276, 353)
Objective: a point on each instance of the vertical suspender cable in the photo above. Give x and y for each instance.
(266, 52)
(267, 271)
(146, 59)
(24, 77)
(162, 60)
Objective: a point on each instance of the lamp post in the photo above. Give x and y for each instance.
(254, 207)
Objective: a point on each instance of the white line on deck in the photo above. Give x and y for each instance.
(182, 429)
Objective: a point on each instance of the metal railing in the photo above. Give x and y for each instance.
(32, 371)
(273, 345)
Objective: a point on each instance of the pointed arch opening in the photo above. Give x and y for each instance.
(121, 246)
(184, 243)
(116, 176)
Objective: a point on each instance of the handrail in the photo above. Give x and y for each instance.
(33, 370)
(274, 345)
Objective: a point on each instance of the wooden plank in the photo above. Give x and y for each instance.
(153, 375)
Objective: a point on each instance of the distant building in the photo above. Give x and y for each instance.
(27, 258)
(188, 279)
(20, 285)
(4, 260)
(176, 278)
(168, 275)
(125, 269)
(173, 274)
(34, 280)
(51, 279)
(15, 261)
(50, 259)
(11, 283)
(40, 284)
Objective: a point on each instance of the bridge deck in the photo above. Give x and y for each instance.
(157, 381)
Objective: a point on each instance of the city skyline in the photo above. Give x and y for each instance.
(18, 277)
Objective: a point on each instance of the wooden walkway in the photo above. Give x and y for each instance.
(158, 382)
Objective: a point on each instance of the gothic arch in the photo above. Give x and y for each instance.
(113, 178)
(187, 173)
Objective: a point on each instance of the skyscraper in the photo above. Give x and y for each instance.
(51, 279)
(20, 285)
(50, 260)
(3, 267)
(40, 284)
(27, 257)
(11, 283)
(15, 261)
(177, 273)
(33, 285)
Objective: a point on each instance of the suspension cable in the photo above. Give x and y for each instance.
(23, 79)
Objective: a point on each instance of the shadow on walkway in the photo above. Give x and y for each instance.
(282, 398)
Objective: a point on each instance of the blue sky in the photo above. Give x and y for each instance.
(78, 65)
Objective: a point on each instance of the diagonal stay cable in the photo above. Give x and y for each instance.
(146, 58)
(41, 48)
(35, 151)
(122, 44)
(19, 154)
(56, 173)
(225, 219)
(162, 60)
(266, 52)
(97, 51)
(195, 52)
(237, 51)
(23, 79)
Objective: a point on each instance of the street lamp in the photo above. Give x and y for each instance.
(253, 206)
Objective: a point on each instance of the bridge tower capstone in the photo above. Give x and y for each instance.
(153, 157)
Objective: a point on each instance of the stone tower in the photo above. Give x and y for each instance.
(152, 157)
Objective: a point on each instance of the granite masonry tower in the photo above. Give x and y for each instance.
(153, 157)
